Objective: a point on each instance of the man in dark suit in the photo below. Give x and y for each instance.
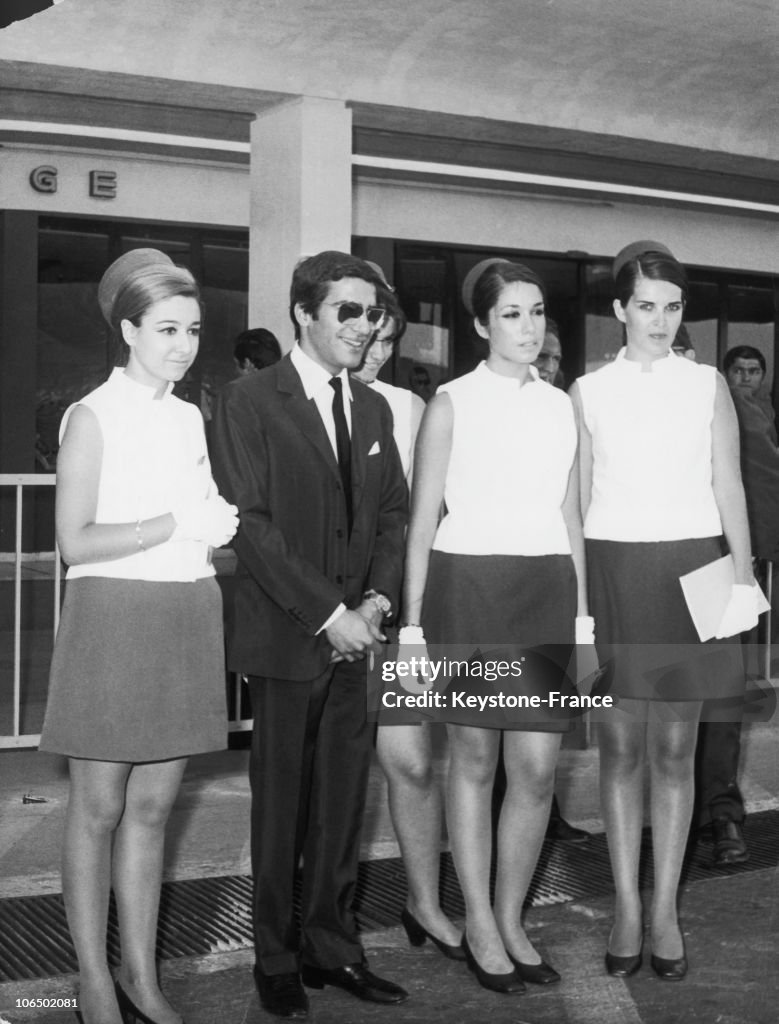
(721, 809)
(309, 459)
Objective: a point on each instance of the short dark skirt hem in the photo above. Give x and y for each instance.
(647, 644)
(508, 608)
(137, 673)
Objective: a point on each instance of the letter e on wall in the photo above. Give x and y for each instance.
(102, 184)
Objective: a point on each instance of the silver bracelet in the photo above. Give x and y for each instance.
(139, 537)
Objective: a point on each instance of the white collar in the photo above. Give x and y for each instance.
(135, 390)
(315, 377)
(499, 380)
(667, 364)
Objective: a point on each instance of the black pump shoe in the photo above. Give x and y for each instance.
(669, 970)
(508, 984)
(622, 966)
(417, 934)
(129, 1011)
(536, 974)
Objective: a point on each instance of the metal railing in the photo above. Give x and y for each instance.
(19, 567)
(19, 559)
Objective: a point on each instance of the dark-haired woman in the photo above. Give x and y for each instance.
(405, 751)
(137, 677)
(500, 569)
(660, 484)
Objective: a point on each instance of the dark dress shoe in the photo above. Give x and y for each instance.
(622, 966)
(417, 934)
(507, 984)
(536, 974)
(729, 845)
(356, 979)
(669, 970)
(282, 994)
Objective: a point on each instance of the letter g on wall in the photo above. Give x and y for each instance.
(44, 178)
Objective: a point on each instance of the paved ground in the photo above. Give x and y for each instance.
(731, 922)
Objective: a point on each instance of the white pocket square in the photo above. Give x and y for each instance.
(376, 449)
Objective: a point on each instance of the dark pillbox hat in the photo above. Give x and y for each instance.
(473, 276)
(120, 270)
(377, 269)
(636, 249)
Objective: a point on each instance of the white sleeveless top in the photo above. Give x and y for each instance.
(651, 446)
(154, 456)
(512, 451)
(399, 401)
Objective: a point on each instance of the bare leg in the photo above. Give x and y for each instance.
(671, 752)
(622, 741)
(473, 757)
(138, 853)
(406, 755)
(95, 807)
(530, 759)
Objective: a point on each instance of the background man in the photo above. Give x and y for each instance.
(548, 359)
(255, 349)
(548, 365)
(721, 805)
(310, 460)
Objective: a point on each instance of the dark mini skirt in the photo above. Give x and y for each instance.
(646, 640)
(505, 608)
(137, 672)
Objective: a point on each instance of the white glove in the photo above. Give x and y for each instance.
(210, 520)
(412, 644)
(740, 611)
(585, 629)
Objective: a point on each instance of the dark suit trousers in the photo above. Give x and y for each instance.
(311, 750)
(716, 765)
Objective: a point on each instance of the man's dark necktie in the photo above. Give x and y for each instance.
(343, 445)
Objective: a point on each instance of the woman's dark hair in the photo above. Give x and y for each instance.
(388, 300)
(487, 289)
(552, 328)
(655, 266)
(743, 352)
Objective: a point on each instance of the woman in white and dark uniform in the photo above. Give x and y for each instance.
(661, 485)
(503, 568)
(137, 676)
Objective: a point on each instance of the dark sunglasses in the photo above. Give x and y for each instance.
(354, 311)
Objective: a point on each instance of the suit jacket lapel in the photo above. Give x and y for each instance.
(305, 413)
(363, 436)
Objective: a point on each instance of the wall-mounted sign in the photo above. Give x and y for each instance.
(44, 179)
(102, 184)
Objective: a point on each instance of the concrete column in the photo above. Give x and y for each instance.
(18, 339)
(301, 199)
(18, 368)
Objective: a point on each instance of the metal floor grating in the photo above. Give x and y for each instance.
(212, 915)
